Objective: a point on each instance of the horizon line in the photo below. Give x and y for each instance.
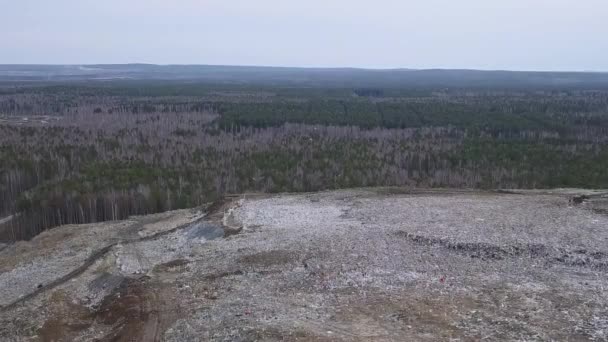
(312, 67)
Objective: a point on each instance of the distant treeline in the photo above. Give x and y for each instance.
(108, 157)
(142, 75)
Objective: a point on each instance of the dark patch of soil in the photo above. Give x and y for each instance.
(172, 266)
(269, 258)
(276, 334)
(215, 211)
(216, 276)
(105, 281)
(137, 311)
(481, 250)
(67, 319)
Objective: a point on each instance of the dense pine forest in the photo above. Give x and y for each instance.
(81, 151)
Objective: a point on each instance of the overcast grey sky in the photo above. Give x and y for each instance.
(481, 34)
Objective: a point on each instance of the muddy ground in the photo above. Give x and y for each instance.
(353, 265)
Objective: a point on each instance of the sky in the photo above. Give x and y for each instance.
(472, 34)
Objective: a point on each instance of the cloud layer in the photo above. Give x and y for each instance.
(515, 34)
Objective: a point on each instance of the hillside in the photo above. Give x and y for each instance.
(385, 264)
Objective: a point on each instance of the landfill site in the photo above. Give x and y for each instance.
(377, 264)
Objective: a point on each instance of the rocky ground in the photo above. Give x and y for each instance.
(352, 265)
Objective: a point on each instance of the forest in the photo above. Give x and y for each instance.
(86, 151)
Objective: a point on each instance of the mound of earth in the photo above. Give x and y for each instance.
(352, 265)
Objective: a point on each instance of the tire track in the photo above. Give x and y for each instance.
(97, 255)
